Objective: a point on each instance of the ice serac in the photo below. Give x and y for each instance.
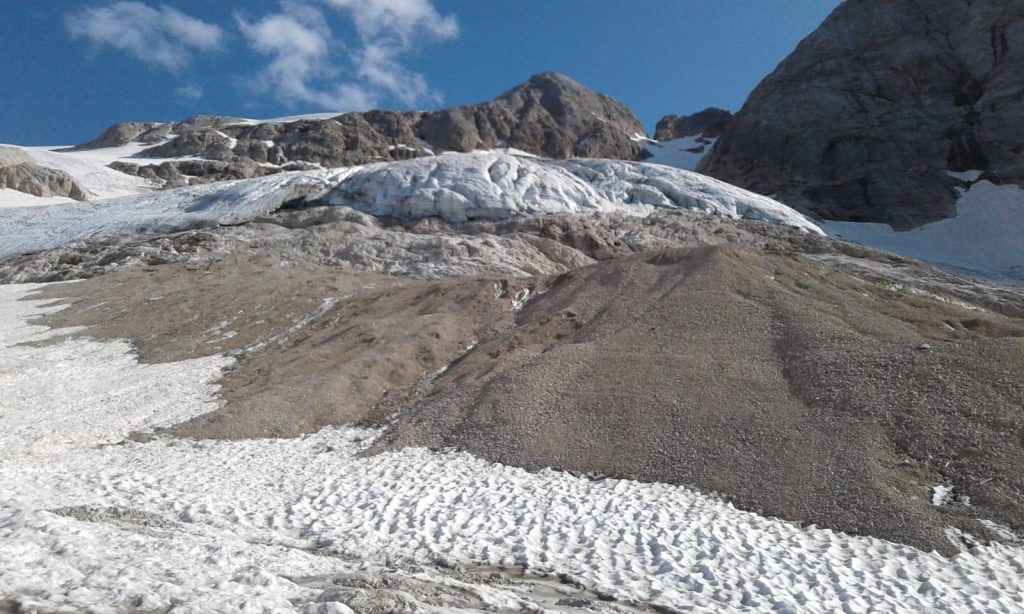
(864, 119)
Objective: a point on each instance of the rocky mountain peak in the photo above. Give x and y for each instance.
(550, 115)
(709, 123)
(866, 118)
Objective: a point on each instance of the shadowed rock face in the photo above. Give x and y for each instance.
(863, 120)
(550, 115)
(710, 122)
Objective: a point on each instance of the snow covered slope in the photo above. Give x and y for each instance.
(985, 239)
(89, 168)
(455, 187)
(14, 198)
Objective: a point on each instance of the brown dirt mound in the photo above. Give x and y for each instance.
(788, 387)
(784, 384)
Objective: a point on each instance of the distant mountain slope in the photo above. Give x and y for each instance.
(550, 115)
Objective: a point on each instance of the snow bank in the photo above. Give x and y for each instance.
(234, 520)
(94, 392)
(985, 239)
(456, 187)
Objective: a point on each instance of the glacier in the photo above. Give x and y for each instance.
(456, 187)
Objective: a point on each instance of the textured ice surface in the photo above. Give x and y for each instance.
(986, 237)
(456, 187)
(492, 185)
(241, 516)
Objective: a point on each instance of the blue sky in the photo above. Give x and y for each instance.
(73, 68)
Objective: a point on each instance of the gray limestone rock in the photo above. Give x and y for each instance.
(118, 135)
(550, 115)
(710, 122)
(864, 119)
(207, 142)
(19, 172)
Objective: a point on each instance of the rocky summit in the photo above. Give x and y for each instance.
(870, 114)
(550, 115)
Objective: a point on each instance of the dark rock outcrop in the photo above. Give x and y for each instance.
(549, 115)
(864, 119)
(710, 123)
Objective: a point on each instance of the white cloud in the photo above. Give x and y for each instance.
(306, 58)
(189, 92)
(163, 36)
(399, 20)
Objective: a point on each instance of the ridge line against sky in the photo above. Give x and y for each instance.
(83, 66)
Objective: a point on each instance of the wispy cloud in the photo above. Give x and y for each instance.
(307, 60)
(189, 92)
(163, 37)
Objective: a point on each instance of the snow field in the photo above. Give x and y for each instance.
(984, 238)
(240, 516)
(676, 152)
(89, 168)
(86, 380)
(13, 198)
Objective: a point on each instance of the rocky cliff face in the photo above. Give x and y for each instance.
(709, 123)
(866, 118)
(550, 115)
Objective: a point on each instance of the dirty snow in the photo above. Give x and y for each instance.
(984, 239)
(237, 522)
(455, 187)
